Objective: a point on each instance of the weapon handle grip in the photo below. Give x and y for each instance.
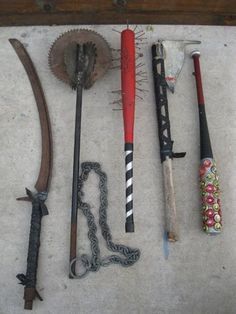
(211, 207)
(170, 206)
(32, 260)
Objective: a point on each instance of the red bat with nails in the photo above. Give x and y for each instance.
(128, 103)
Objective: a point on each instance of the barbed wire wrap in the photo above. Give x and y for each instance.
(95, 261)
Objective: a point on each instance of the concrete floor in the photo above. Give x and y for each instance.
(199, 275)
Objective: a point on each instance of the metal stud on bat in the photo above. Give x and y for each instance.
(140, 74)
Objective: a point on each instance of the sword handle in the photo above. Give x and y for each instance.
(29, 280)
(32, 259)
(171, 226)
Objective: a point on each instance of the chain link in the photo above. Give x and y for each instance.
(95, 261)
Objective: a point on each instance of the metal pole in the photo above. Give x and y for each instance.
(74, 207)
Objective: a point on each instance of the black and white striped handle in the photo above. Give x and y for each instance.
(129, 224)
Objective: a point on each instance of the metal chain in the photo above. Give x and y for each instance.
(94, 262)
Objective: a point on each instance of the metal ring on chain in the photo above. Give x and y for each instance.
(94, 262)
(85, 265)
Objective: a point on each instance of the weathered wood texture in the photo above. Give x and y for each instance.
(49, 12)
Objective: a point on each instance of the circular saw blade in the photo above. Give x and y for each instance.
(56, 56)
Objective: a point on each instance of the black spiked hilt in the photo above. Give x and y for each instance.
(29, 280)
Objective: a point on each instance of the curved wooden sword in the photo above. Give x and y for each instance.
(43, 181)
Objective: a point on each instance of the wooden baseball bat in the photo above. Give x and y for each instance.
(209, 181)
(128, 103)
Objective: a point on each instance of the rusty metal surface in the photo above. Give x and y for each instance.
(80, 36)
(174, 54)
(66, 67)
(42, 184)
(44, 176)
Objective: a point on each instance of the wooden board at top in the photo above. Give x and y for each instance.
(51, 12)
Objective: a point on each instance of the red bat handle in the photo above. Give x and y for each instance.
(128, 82)
(198, 76)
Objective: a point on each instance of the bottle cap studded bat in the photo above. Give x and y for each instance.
(209, 181)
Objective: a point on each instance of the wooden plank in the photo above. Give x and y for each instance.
(35, 6)
(31, 6)
(210, 6)
(76, 19)
(49, 12)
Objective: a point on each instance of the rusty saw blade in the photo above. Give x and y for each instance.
(78, 57)
(60, 47)
(44, 176)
